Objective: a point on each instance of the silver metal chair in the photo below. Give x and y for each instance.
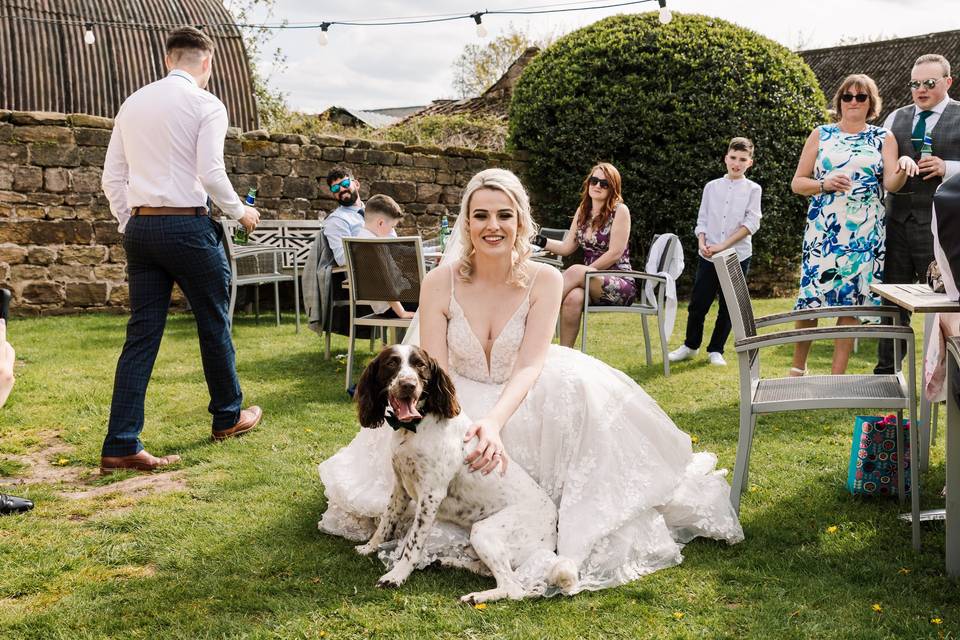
(547, 257)
(381, 270)
(255, 263)
(760, 395)
(644, 306)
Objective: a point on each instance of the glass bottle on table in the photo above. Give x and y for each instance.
(444, 232)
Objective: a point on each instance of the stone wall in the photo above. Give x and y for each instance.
(60, 251)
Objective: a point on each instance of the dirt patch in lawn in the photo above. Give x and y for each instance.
(51, 464)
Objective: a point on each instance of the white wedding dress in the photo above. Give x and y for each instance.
(628, 488)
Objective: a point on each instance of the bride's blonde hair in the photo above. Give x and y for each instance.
(508, 183)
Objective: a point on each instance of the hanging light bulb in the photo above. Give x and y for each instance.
(665, 15)
(322, 39)
(88, 36)
(481, 30)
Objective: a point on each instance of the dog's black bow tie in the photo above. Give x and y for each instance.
(396, 423)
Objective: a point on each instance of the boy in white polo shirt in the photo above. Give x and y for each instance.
(729, 216)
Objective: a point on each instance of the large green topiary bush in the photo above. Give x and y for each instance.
(661, 103)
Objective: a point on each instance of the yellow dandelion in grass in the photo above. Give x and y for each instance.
(309, 430)
(694, 439)
(877, 608)
(481, 606)
(936, 620)
(754, 488)
(678, 615)
(903, 571)
(61, 462)
(832, 529)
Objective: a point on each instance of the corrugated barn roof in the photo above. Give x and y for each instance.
(46, 66)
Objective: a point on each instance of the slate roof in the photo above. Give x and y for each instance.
(495, 101)
(888, 62)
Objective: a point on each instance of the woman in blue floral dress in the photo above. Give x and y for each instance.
(841, 168)
(602, 227)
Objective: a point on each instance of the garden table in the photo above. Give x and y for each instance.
(919, 298)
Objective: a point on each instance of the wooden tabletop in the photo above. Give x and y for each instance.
(916, 298)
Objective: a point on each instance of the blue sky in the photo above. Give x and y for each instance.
(375, 67)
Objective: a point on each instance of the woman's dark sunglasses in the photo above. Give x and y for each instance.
(598, 182)
(929, 83)
(848, 97)
(343, 184)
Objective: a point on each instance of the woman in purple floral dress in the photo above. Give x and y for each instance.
(602, 227)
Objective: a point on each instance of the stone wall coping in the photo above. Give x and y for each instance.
(81, 120)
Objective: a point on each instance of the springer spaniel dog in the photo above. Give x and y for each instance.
(509, 516)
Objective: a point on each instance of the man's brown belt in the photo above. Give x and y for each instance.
(169, 211)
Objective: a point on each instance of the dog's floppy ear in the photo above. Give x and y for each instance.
(441, 394)
(371, 399)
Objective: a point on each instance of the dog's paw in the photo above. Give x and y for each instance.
(365, 549)
(492, 595)
(392, 580)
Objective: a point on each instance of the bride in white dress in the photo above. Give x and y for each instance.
(628, 487)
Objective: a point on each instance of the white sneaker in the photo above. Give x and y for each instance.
(683, 352)
(717, 358)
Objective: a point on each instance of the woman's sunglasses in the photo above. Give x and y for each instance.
(849, 97)
(929, 83)
(598, 182)
(343, 184)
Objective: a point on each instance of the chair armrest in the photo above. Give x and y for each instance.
(251, 249)
(885, 311)
(638, 275)
(821, 333)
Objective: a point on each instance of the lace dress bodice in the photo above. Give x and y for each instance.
(465, 351)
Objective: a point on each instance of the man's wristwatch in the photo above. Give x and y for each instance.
(539, 240)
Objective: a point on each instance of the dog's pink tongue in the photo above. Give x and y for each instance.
(405, 410)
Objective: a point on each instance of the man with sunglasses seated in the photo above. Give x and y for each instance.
(933, 117)
(345, 221)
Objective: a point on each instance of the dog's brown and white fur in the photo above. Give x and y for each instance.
(509, 516)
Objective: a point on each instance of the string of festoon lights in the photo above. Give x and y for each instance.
(90, 38)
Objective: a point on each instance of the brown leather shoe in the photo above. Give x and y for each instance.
(142, 461)
(249, 418)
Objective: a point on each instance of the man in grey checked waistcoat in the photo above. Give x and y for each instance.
(933, 114)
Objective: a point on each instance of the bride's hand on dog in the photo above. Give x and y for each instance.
(489, 453)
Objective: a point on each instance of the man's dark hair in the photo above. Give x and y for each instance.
(383, 205)
(337, 174)
(188, 39)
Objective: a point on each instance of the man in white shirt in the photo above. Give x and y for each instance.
(164, 159)
(346, 220)
(934, 116)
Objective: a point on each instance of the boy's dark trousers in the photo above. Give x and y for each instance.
(706, 287)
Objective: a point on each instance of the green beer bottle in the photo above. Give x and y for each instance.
(240, 236)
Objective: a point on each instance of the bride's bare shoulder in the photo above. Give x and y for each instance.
(438, 279)
(545, 277)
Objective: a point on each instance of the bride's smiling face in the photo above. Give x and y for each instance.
(493, 222)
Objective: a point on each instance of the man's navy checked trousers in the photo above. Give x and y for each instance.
(162, 250)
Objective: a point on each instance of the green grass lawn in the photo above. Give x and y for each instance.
(230, 549)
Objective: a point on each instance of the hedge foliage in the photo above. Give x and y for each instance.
(661, 102)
